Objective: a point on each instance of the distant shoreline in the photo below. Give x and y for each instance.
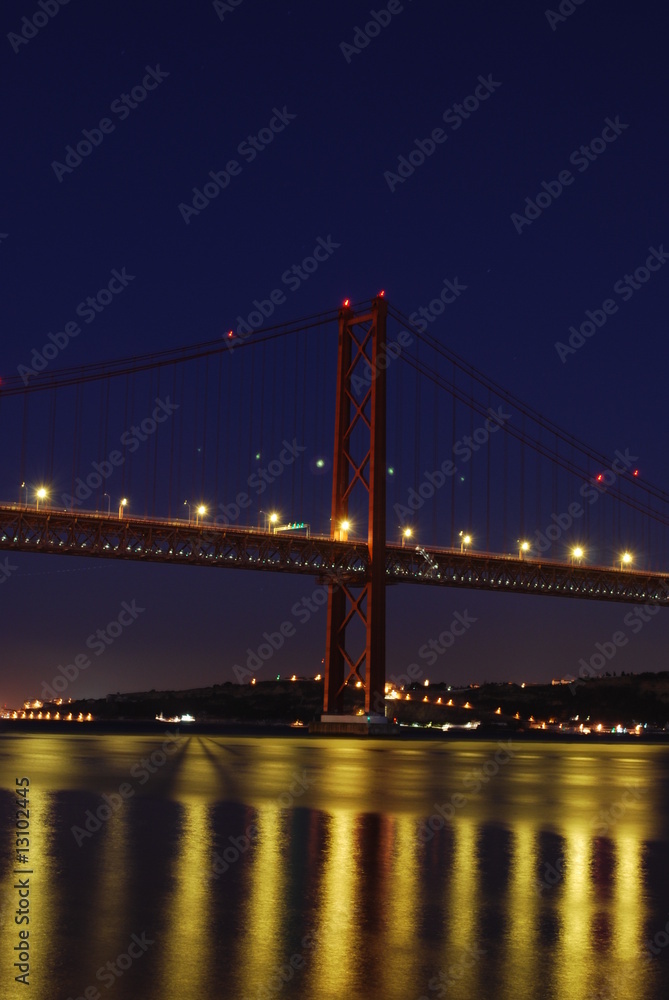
(150, 727)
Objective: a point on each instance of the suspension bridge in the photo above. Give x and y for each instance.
(350, 446)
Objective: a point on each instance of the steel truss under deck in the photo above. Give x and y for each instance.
(346, 563)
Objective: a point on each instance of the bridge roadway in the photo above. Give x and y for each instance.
(103, 536)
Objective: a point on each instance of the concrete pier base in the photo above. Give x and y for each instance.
(353, 725)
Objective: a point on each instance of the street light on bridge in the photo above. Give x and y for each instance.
(40, 495)
(407, 533)
(522, 547)
(200, 512)
(108, 503)
(344, 528)
(465, 540)
(121, 504)
(625, 559)
(577, 553)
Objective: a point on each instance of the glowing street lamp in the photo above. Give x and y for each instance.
(23, 487)
(40, 495)
(108, 503)
(625, 559)
(465, 540)
(522, 547)
(407, 533)
(577, 553)
(121, 504)
(272, 520)
(200, 512)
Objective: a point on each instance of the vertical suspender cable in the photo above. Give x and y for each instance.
(126, 427)
(453, 443)
(470, 523)
(170, 498)
(156, 436)
(218, 431)
(435, 463)
(147, 449)
(303, 429)
(182, 420)
(52, 436)
(505, 470)
(487, 487)
(24, 441)
(192, 489)
(521, 512)
(252, 451)
(204, 430)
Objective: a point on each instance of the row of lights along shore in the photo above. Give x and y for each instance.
(272, 519)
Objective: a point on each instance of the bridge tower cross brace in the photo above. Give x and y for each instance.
(360, 416)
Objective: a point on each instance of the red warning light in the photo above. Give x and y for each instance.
(381, 293)
(230, 333)
(346, 302)
(636, 472)
(600, 477)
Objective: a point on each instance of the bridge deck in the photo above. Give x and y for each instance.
(89, 534)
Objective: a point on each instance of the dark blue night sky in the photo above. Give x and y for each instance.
(512, 157)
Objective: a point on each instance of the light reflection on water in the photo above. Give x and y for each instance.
(546, 882)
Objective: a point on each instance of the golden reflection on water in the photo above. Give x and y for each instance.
(392, 916)
(112, 894)
(336, 928)
(42, 913)
(261, 919)
(187, 942)
(460, 968)
(573, 901)
(521, 928)
(400, 957)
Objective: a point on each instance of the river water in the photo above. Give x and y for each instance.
(262, 867)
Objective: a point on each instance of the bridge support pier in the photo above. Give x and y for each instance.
(359, 466)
